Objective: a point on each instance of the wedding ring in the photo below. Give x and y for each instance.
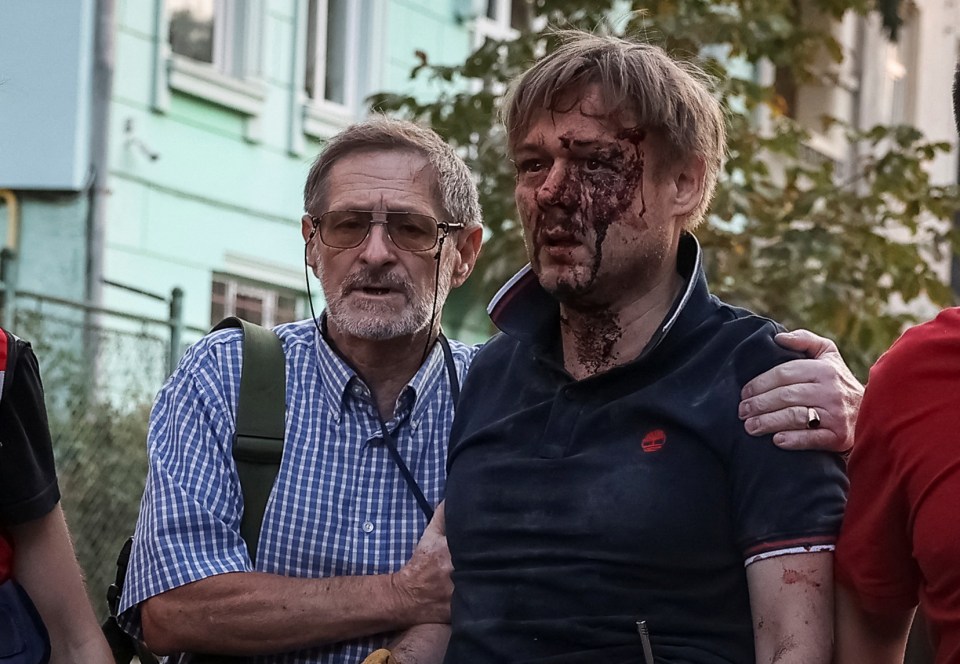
(813, 418)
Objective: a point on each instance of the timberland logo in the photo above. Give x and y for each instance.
(653, 441)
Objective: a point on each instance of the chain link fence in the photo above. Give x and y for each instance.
(100, 371)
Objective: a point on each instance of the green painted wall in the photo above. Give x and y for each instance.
(212, 195)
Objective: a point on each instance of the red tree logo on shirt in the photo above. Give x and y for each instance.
(653, 441)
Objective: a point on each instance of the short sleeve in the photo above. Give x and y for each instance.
(28, 479)
(189, 525)
(784, 502)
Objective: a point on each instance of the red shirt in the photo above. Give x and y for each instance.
(900, 540)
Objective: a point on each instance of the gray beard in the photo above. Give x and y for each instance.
(380, 323)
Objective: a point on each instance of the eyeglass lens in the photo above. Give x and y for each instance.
(410, 231)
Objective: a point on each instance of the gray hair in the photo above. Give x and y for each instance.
(456, 189)
(640, 84)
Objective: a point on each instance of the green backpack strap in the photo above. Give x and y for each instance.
(261, 407)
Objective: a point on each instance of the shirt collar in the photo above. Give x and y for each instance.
(340, 381)
(523, 310)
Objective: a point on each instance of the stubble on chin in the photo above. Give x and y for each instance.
(376, 321)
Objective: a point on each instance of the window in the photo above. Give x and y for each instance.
(502, 20)
(339, 69)
(211, 49)
(329, 33)
(214, 32)
(190, 28)
(900, 72)
(257, 303)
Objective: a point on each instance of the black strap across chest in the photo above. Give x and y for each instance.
(391, 442)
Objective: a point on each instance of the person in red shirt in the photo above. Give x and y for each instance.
(35, 547)
(899, 545)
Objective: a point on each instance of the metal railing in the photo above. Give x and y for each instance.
(101, 369)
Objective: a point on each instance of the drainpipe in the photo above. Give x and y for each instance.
(99, 131)
(8, 258)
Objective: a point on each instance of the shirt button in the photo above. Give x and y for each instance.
(367, 527)
(357, 390)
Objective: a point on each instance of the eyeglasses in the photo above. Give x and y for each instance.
(410, 231)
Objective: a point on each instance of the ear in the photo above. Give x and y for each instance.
(689, 187)
(468, 248)
(308, 228)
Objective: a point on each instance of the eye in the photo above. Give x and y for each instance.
(531, 165)
(412, 225)
(349, 223)
(595, 165)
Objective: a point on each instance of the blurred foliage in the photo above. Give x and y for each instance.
(790, 237)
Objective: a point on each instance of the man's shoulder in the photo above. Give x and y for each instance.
(926, 352)
(941, 332)
(495, 350)
(227, 344)
(463, 354)
(741, 337)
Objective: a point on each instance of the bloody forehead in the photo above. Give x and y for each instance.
(588, 100)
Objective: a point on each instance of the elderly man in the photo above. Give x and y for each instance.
(392, 224)
(602, 502)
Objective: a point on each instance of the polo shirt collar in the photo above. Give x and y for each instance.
(522, 309)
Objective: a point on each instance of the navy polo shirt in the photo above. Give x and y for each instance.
(577, 508)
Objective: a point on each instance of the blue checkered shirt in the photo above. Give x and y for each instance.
(339, 505)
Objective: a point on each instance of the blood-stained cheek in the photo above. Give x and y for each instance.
(611, 195)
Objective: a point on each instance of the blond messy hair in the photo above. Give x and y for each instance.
(640, 84)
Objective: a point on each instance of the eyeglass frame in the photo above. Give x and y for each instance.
(445, 226)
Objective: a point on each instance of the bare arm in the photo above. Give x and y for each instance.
(249, 613)
(791, 599)
(869, 638)
(776, 401)
(421, 644)
(47, 568)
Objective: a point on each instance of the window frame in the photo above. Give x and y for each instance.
(499, 27)
(268, 294)
(234, 79)
(365, 36)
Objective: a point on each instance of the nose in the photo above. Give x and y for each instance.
(558, 188)
(378, 248)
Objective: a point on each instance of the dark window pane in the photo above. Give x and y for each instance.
(309, 79)
(218, 302)
(286, 309)
(250, 308)
(520, 15)
(335, 81)
(191, 28)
